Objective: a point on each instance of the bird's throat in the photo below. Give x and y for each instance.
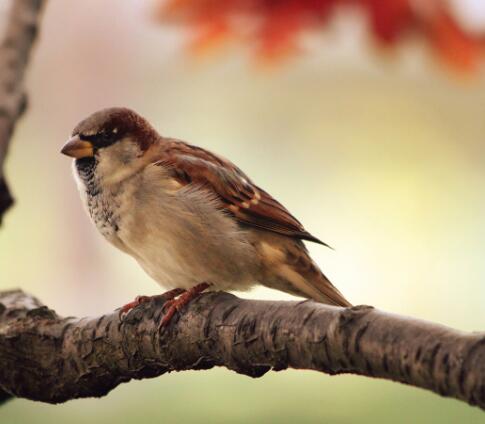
(86, 169)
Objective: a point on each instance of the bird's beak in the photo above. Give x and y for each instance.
(77, 148)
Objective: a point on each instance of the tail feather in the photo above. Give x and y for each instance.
(306, 278)
(328, 293)
(311, 284)
(289, 268)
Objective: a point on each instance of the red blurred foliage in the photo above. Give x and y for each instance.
(274, 25)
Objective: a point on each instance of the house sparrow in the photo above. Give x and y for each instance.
(188, 216)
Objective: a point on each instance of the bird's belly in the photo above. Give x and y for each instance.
(184, 266)
(172, 265)
(164, 264)
(180, 251)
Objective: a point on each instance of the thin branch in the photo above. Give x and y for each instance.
(52, 359)
(15, 49)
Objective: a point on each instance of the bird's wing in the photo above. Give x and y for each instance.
(248, 203)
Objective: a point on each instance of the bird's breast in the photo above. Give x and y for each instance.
(104, 211)
(102, 203)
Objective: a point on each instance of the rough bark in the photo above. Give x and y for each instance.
(19, 36)
(53, 359)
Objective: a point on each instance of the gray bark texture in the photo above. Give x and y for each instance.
(15, 48)
(52, 359)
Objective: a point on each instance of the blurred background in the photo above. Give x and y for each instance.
(373, 139)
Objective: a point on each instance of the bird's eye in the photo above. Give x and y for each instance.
(102, 138)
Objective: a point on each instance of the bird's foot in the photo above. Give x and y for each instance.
(165, 297)
(174, 305)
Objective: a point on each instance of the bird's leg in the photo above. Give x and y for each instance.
(174, 305)
(166, 297)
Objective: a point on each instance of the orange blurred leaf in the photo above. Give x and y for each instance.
(274, 26)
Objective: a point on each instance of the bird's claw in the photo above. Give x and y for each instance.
(165, 297)
(174, 305)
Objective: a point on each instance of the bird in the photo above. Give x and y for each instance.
(191, 219)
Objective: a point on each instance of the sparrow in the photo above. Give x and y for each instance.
(191, 218)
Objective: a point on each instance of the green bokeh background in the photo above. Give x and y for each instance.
(380, 157)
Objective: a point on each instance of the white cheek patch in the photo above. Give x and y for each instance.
(118, 161)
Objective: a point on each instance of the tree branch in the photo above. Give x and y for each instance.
(52, 359)
(21, 31)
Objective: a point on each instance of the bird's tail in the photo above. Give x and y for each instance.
(289, 268)
(307, 280)
(326, 292)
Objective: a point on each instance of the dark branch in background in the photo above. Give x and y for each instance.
(4, 397)
(53, 359)
(20, 33)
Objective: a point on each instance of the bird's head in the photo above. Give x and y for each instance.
(111, 140)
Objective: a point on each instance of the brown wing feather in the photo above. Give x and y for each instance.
(248, 203)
